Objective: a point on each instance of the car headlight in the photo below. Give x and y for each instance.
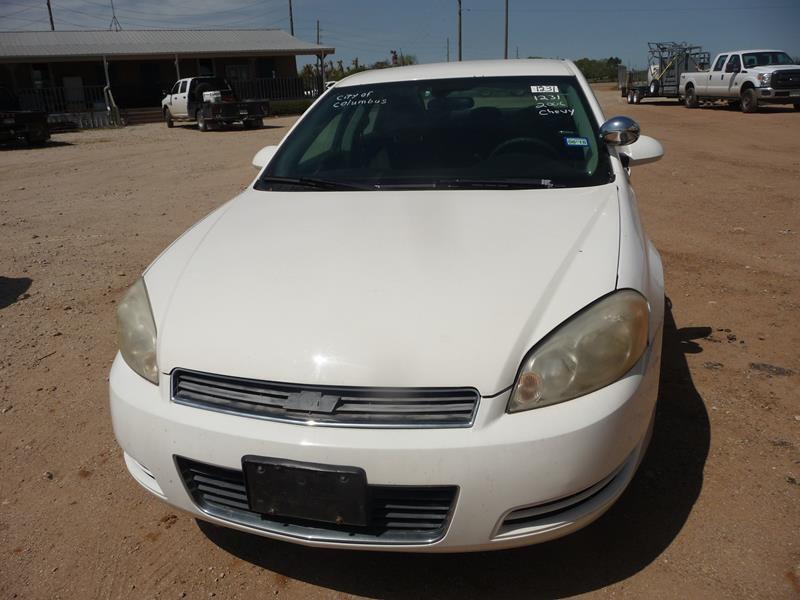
(590, 350)
(137, 332)
(764, 79)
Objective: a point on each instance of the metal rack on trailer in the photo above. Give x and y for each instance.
(661, 79)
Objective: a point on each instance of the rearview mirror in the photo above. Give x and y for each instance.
(644, 150)
(263, 156)
(619, 131)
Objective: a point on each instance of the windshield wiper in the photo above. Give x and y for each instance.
(313, 182)
(515, 182)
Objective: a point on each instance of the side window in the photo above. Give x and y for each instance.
(175, 87)
(734, 64)
(183, 87)
(720, 62)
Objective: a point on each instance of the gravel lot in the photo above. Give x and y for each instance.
(713, 512)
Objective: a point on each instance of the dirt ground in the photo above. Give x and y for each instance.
(713, 512)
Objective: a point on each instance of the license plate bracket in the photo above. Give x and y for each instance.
(316, 492)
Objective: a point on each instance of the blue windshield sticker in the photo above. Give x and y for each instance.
(576, 141)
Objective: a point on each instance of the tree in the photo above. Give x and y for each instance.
(599, 69)
(337, 70)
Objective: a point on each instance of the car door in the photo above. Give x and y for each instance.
(716, 75)
(179, 100)
(171, 94)
(732, 77)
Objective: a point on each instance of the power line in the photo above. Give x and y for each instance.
(572, 11)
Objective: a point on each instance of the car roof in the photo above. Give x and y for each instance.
(746, 51)
(472, 68)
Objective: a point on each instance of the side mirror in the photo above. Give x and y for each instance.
(619, 131)
(644, 150)
(263, 156)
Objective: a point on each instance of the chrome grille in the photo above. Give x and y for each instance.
(398, 514)
(326, 405)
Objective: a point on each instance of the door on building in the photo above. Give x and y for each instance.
(151, 84)
(74, 97)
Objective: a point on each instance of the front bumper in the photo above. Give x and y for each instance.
(782, 96)
(521, 478)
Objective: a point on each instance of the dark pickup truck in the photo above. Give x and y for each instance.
(21, 125)
(210, 101)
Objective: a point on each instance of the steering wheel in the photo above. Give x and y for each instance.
(528, 141)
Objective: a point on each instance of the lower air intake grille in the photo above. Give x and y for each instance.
(400, 514)
(327, 405)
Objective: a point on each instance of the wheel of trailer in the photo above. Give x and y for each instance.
(654, 87)
(749, 101)
(202, 125)
(691, 98)
(168, 118)
(630, 96)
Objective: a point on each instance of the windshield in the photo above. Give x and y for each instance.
(470, 132)
(765, 59)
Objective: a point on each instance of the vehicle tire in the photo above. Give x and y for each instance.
(691, 98)
(630, 96)
(654, 87)
(202, 125)
(637, 97)
(168, 118)
(749, 101)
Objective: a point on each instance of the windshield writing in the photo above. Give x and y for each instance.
(448, 133)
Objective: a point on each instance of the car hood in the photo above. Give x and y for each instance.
(771, 68)
(395, 288)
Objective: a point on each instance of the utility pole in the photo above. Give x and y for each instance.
(505, 47)
(448, 49)
(50, 12)
(459, 30)
(291, 19)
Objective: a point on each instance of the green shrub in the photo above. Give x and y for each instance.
(278, 108)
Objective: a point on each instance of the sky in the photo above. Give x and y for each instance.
(370, 30)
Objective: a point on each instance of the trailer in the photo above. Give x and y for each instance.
(666, 61)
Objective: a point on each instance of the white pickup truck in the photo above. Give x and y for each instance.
(745, 78)
(210, 101)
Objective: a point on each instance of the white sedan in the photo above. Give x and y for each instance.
(432, 323)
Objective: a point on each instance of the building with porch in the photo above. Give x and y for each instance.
(69, 72)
